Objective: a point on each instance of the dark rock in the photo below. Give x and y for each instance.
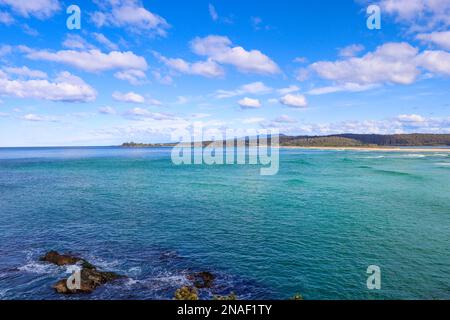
(60, 259)
(90, 277)
(202, 280)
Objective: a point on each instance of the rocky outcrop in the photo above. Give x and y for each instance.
(90, 277)
(202, 279)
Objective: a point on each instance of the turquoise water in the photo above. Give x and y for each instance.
(314, 228)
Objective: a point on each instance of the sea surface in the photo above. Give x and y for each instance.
(314, 228)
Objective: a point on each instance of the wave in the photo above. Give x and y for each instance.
(39, 268)
(443, 164)
(373, 157)
(397, 173)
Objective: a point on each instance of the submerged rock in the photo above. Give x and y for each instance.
(202, 279)
(90, 277)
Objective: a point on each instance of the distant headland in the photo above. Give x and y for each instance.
(359, 141)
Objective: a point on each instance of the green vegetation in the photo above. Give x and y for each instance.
(341, 140)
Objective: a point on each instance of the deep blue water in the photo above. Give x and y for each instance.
(313, 229)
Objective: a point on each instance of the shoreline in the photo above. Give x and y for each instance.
(386, 149)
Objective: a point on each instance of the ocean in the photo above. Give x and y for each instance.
(314, 228)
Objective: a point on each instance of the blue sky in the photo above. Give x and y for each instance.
(138, 70)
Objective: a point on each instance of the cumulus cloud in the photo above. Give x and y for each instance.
(441, 39)
(66, 87)
(290, 89)
(390, 63)
(130, 14)
(249, 103)
(41, 9)
(25, 72)
(435, 61)
(221, 50)
(208, 69)
(294, 101)
(131, 97)
(250, 88)
(91, 60)
(107, 110)
(396, 125)
(133, 76)
(418, 14)
(351, 50)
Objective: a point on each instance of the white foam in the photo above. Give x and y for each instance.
(39, 268)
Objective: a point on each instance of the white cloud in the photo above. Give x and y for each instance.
(300, 60)
(38, 118)
(285, 119)
(6, 18)
(133, 76)
(92, 60)
(290, 89)
(182, 100)
(220, 50)
(26, 72)
(249, 103)
(144, 113)
(441, 39)
(351, 50)
(250, 88)
(252, 120)
(130, 14)
(75, 41)
(107, 110)
(435, 61)
(5, 50)
(209, 68)
(102, 39)
(41, 9)
(418, 14)
(396, 125)
(391, 62)
(213, 12)
(294, 100)
(66, 87)
(346, 87)
(131, 97)
(411, 118)
(163, 79)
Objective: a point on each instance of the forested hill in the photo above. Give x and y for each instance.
(345, 140)
(349, 140)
